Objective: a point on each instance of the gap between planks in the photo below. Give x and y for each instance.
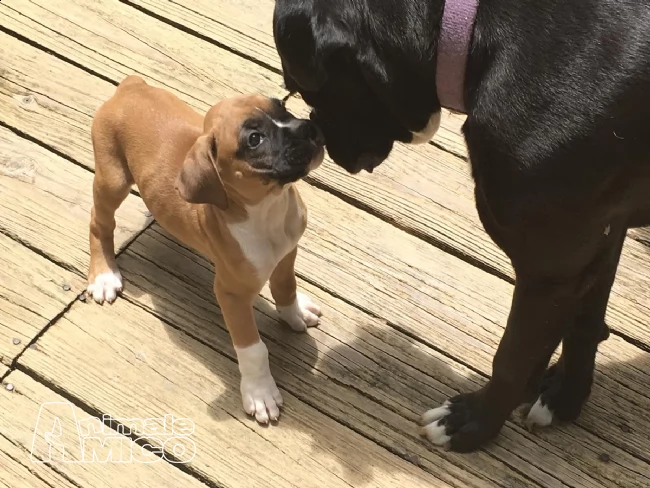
(458, 230)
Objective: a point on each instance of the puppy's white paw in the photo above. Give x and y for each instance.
(539, 414)
(261, 398)
(433, 426)
(302, 313)
(106, 287)
(260, 395)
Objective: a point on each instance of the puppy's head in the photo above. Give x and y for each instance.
(250, 147)
(365, 69)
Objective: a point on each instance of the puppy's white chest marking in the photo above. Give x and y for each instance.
(426, 134)
(272, 230)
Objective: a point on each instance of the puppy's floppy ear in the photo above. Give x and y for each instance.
(305, 38)
(199, 180)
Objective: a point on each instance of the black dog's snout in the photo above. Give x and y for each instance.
(314, 133)
(306, 129)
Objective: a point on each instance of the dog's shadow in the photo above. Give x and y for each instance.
(349, 384)
(339, 388)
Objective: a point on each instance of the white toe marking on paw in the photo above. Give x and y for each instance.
(539, 415)
(302, 313)
(435, 413)
(106, 287)
(433, 429)
(436, 433)
(260, 394)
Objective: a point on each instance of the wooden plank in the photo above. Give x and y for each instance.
(423, 190)
(379, 307)
(19, 416)
(317, 368)
(3, 370)
(32, 294)
(45, 202)
(124, 362)
(185, 298)
(17, 470)
(251, 35)
(246, 26)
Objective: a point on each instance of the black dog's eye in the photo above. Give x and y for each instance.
(255, 139)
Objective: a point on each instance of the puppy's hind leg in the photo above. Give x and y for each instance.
(111, 186)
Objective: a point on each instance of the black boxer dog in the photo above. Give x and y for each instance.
(557, 94)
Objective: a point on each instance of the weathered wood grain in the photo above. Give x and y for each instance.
(45, 202)
(345, 382)
(432, 199)
(251, 34)
(17, 470)
(98, 353)
(461, 321)
(246, 27)
(413, 178)
(368, 375)
(19, 411)
(597, 444)
(32, 294)
(379, 305)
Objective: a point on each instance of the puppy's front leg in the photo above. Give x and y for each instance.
(260, 395)
(293, 307)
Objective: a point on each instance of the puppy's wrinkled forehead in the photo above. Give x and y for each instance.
(230, 117)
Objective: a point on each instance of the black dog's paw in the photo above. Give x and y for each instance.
(560, 400)
(462, 423)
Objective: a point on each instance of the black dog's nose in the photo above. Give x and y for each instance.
(315, 134)
(306, 129)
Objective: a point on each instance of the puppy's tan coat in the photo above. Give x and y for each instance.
(194, 175)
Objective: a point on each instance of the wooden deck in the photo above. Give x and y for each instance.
(415, 295)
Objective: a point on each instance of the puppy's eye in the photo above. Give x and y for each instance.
(255, 139)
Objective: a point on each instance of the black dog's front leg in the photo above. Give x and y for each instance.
(566, 386)
(542, 311)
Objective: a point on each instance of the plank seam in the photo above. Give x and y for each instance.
(350, 200)
(7, 373)
(43, 145)
(301, 398)
(200, 36)
(51, 52)
(384, 217)
(34, 473)
(70, 268)
(439, 146)
(40, 252)
(237, 52)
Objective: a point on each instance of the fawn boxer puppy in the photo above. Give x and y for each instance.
(221, 184)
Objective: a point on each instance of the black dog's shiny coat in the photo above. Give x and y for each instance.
(558, 131)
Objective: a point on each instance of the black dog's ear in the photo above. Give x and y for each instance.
(305, 38)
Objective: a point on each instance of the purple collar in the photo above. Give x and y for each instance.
(453, 46)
